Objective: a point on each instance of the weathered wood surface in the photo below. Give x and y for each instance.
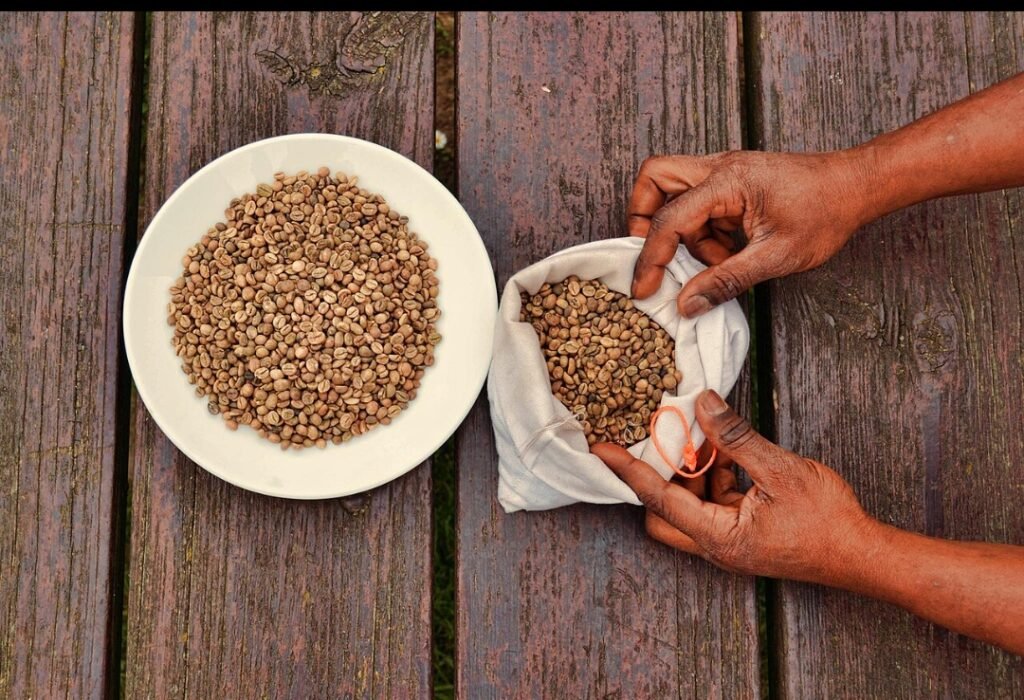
(555, 114)
(65, 115)
(64, 145)
(233, 594)
(900, 362)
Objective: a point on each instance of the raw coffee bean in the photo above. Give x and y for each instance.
(309, 313)
(609, 363)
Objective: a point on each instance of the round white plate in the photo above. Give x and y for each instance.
(468, 302)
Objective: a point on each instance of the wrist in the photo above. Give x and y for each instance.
(855, 558)
(869, 561)
(868, 176)
(895, 173)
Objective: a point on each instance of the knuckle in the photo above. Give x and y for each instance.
(661, 218)
(648, 163)
(713, 190)
(649, 527)
(734, 432)
(728, 284)
(726, 160)
(652, 499)
(736, 167)
(739, 169)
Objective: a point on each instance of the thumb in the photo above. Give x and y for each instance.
(674, 504)
(720, 283)
(765, 461)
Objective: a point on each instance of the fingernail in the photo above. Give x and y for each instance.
(712, 402)
(695, 306)
(632, 289)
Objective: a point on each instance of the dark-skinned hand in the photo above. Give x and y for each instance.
(791, 524)
(750, 216)
(800, 520)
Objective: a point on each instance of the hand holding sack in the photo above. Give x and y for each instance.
(543, 456)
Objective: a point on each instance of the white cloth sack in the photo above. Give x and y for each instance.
(543, 458)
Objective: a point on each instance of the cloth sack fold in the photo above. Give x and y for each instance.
(543, 458)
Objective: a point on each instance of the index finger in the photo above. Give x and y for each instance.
(659, 177)
(684, 510)
(685, 217)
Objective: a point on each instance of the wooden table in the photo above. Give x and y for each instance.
(125, 568)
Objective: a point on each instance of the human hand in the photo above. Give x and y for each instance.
(795, 210)
(800, 520)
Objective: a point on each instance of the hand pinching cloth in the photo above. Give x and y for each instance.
(543, 456)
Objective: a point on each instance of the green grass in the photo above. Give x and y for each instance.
(444, 38)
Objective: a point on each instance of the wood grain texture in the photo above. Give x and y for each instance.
(233, 594)
(899, 362)
(64, 135)
(555, 114)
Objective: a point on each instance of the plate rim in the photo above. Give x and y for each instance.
(129, 301)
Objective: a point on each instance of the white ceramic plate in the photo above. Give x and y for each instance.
(468, 302)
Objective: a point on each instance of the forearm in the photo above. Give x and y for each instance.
(973, 588)
(974, 145)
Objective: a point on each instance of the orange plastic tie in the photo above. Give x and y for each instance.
(689, 456)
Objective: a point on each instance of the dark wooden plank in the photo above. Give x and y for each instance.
(233, 594)
(555, 114)
(899, 362)
(64, 135)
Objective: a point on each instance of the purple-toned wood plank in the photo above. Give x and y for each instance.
(555, 114)
(899, 362)
(64, 134)
(233, 594)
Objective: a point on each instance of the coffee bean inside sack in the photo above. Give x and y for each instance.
(309, 313)
(609, 362)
